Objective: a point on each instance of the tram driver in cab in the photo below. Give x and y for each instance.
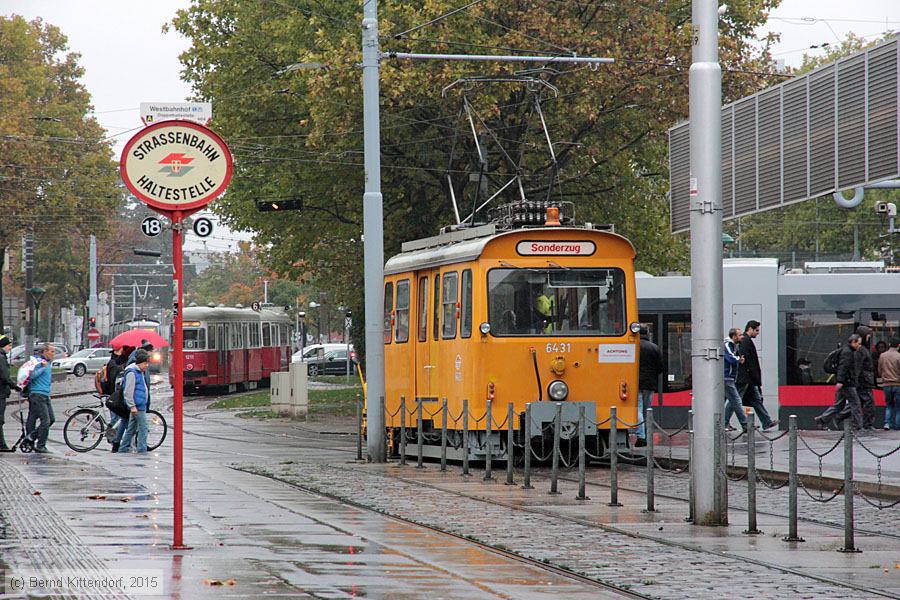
(545, 307)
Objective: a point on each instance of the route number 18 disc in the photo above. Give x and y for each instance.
(151, 226)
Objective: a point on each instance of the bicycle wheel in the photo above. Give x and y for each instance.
(156, 430)
(84, 430)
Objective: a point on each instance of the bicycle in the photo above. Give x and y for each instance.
(86, 427)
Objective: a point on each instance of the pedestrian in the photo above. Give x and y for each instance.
(749, 377)
(7, 384)
(846, 399)
(650, 366)
(889, 367)
(732, 397)
(136, 392)
(114, 368)
(145, 345)
(866, 380)
(39, 407)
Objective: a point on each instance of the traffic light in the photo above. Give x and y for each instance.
(93, 321)
(278, 205)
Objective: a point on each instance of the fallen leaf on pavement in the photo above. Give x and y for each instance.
(125, 499)
(96, 497)
(37, 493)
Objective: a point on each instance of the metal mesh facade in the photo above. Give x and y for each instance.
(832, 129)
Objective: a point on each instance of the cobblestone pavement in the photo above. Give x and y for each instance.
(652, 568)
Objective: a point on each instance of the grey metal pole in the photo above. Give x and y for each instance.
(28, 258)
(402, 430)
(92, 297)
(510, 443)
(488, 431)
(613, 458)
(420, 435)
(582, 458)
(465, 444)
(444, 435)
(651, 489)
(793, 479)
(720, 454)
(526, 444)
(373, 217)
(706, 253)
(849, 544)
(554, 470)
(690, 429)
(752, 529)
(358, 427)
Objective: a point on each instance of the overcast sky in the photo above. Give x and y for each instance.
(128, 59)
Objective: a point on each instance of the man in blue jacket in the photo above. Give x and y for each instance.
(39, 408)
(733, 402)
(136, 391)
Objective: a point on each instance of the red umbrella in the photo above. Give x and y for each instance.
(134, 337)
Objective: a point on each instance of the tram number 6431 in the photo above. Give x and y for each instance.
(558, 347)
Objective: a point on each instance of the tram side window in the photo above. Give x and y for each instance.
(402, 313)
(465, 325)
(809, 338)
(388, 311)
(254, 335)
(422, 325)
(194, 339)
(451, 306)
(678, 354)
(266, 335)
(437, 306)
(211, 341)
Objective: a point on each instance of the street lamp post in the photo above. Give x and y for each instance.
(36, 294)
(313, 305)
(301, 329)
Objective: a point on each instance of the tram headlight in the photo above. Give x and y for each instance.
(635, 328)
(558, 390)
(484, 328)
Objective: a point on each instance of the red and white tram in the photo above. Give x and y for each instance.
(233, 347)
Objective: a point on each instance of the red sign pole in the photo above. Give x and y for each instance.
(178, 366)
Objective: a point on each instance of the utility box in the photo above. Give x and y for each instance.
(288, 390)
(299, 389)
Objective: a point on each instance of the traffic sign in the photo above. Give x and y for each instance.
(151, 226)
(93, 334)
(176, 166)
(154, 112)
(203, 227)
(348, 322)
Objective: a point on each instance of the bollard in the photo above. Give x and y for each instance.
(793, 479)
(554, 471)
(691, 499)
(582, 458)
(402, 431)
(488, 430)
(526, 476)
(849, 545)
(465, 443)
(510, 444)
(444, 435)
(613, 459)
(420, 436)
(384, 433)
(651, 490)
(359, 427)
(720, 479)
(751, 474)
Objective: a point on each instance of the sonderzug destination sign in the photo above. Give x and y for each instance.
(176, 165)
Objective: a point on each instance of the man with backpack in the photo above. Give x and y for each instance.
(106, 380)
(847, 375)
(6, 384)
(136, 393)
(39, 407)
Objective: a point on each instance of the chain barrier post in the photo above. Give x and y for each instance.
(751, 474)
(402, 430)
(554, 471)
(420, 436)
(613, 458)
(358, 427)
(651, 490)
(526, 476)
(793, 478)
(849, 545)
(510, 444)
(465, 443)
(691, 498)
(443, 435)
(488, 432)
(582, 458)
(384, 430)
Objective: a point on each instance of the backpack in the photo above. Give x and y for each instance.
(116, 401)
(101, 379)
(831, 361)
(24, 374)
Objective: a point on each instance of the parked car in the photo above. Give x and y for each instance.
(89, 360)
(332, 363)
(317, 351)
(17, 354)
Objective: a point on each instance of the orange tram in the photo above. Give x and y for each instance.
(542, 316)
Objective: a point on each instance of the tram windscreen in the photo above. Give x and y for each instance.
(545, 302)
(194, 339)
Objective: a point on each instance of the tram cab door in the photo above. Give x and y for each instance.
(427, 311)
(225, 333)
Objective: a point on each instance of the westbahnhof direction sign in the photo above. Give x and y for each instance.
(155, 112)
(176, 166)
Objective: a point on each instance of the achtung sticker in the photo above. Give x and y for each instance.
(616, 353)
